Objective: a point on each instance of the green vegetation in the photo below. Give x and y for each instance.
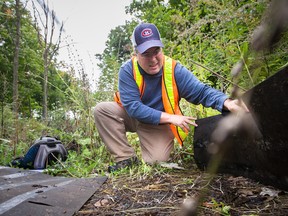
(207, 36)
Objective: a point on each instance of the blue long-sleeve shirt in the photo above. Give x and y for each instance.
(148, 109)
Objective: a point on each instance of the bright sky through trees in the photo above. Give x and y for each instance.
(87, 25)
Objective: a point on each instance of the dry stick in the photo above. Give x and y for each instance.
(218, 75)
(213, 167)
(150, 208)
(216, 159)
(129, 210)
(63, 165)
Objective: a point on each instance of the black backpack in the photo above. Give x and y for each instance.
(43, 152)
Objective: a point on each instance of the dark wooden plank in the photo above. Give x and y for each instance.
(260, 155)
(14, 181)
(7, 171)
(8, 191)
(41, 194)
(63, 200)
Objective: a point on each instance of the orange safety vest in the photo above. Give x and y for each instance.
(170, 96)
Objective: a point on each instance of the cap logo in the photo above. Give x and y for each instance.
(147, 32)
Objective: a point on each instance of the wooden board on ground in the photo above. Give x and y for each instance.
(28, 192)
(261, 156)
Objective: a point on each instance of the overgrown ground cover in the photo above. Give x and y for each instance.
(176, 192)
(158, 190)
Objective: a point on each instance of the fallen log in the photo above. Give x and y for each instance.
(258, 147)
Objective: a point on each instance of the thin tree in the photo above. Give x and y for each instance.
(47, 21)
(3, 89)
(15, 73)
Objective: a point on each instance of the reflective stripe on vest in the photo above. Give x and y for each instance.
(170, 95)
(138, 79)
(137, 76)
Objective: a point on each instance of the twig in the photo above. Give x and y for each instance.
(163, 197)
(63, 166)
(150, 208)
(218, 75)
(220, 188)
(130, 210)
(87, 212)
(195, 181)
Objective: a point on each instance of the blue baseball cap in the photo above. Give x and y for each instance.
(145, 36)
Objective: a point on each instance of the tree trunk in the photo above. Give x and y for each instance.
(45, 88)
(49, 50)
(2, 98)
(15, 74)
(2, 118)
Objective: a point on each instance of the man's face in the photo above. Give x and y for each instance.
(151, 60)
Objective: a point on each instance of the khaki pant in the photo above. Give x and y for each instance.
(112, 122)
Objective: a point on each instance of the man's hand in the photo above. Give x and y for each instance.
(183, 122)
(235, 106)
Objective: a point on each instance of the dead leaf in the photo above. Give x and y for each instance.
(208, 204)
(269, 192)
(171, 165)
(101, 203)
(181, 193)
(245, 192)
(152, 187)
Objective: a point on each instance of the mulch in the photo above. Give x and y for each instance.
(184, 192)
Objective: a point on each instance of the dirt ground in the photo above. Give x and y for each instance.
(184, 192)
